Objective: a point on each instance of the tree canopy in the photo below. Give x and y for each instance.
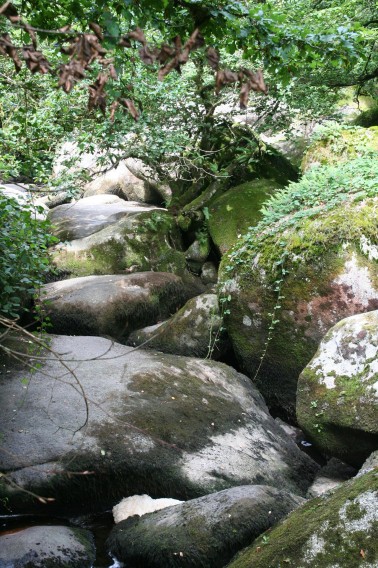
(169, 64)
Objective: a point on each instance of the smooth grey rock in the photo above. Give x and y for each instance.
(47, 547)
(209, 273)
(370, 463)
(52, 200)
(112, 305)
(107, 422)
(24, 197)
(202, 533)
(199, 250)
(143, 238)
(91, 214)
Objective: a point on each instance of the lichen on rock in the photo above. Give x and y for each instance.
(337, 399)
(335, 531)
(309, 263)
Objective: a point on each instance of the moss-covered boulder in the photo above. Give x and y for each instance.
(367, 118)
(98, 421)
(116, 237)
(310, 262)
(340, 144)
(201, 533)
(196, 330)
(239, 208)
(337, 401)
(336, 531)
(113, 305)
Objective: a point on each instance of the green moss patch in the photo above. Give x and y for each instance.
(338, 144)
(237, 210)
(334, 531)
(143, 242)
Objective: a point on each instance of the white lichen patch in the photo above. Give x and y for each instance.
(374, 388)
(350, 349)
(368, 505)
(367, 248)
(314, 546)
(242, 454)
(230, 286)
(247, 321)
(357, 279)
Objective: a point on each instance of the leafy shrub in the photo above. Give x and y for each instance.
(323, 188)
(24, 259)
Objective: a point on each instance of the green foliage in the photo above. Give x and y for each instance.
(24, 260)
(320, 190)
(303, 48)
(34, 118)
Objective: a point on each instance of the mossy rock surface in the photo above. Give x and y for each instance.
(292, 286)
(195, 330)
(367, 118)
(201, 533)
(112, 305)
(337, 401)
(341, 145)
(136, 242)
(134, 422)
(239, 208)
(335, 531)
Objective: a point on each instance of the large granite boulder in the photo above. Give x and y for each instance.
(202, 533)
(335, 531)
(91, 214)
(112, 305)
(196, 330)
(96, 421)
(337, 402)
(311, 262)
(108, 235)
(47, 547)
(120, 181)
